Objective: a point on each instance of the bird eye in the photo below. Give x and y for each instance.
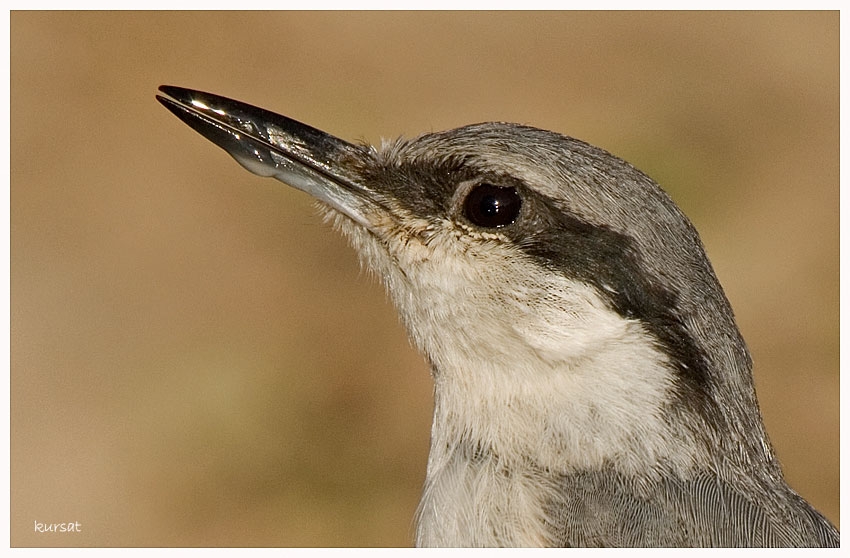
(492, 206)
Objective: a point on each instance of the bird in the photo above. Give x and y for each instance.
(591, 387)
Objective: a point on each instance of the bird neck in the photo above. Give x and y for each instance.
(503, 437)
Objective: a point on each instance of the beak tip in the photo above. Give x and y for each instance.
(176, 93)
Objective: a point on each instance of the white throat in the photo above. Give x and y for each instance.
(533, 369)
(501, 438)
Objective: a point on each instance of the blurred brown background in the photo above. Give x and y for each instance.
(197, 360)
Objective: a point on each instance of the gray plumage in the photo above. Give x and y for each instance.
(602, 508)
(591, 386)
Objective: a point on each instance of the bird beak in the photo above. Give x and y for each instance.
(269, 144)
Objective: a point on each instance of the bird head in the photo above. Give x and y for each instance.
(564, 302)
